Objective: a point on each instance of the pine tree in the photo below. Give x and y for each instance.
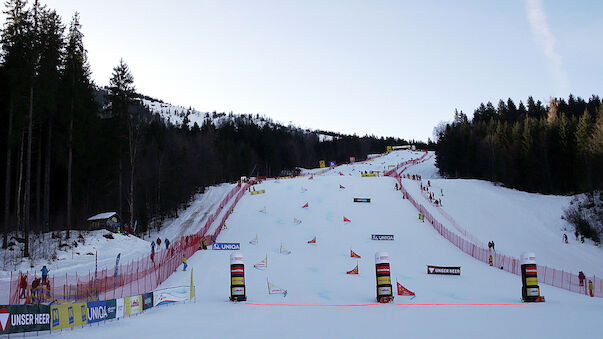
(16, 49)
(583, 149)
(122, 94)
(77, 88)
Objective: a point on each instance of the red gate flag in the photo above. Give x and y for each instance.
(306, 205)
(311, 177)
(354, 271)
(353, 255)
(313, 241)
(346, 219)
(340, 173)
(340, 186)
(404, 291)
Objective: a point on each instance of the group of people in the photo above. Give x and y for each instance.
(39, 289)
(582, 279)
(167, 247)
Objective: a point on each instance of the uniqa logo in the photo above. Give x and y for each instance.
(98, 312)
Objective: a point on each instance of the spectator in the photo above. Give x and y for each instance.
(184, 262)
(581, 277)
(167, 243)
(23, 286)
(158, 243)
(590, 288)
(44, 274)
(152, 247)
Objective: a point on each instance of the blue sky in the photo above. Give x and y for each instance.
(388, 68)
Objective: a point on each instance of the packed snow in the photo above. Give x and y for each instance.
(323, 301)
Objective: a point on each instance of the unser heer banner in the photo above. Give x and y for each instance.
(449, 270)
(24, 318)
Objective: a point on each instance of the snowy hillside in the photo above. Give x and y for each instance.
(323, 301)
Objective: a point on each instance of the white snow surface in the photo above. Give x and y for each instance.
(316, 274)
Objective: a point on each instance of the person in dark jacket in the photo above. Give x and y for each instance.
(581, 277)
(167, 243)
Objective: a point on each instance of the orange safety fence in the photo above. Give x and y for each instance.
(136, 277)
(546, 275)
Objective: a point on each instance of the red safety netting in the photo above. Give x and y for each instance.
(136, 277)
(546, 275)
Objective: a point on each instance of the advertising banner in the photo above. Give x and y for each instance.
(382, 237)
(24, 318)
(362, 199)
(111, 308)
(97, 311)
(228, 246)
(133, 305)
(258, 192)
(147, 301)
(119, 308)
(321, 164)
(332, 163)
(68, 315)
(170, 295)
(448, 270)
(352, 160)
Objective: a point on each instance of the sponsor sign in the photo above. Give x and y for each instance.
(119, 308)
(238, 290)
(97, 311)
(533, 292)
(171, 295)
(531, 270)
(383, 270)
(370, 174)
(227, 246)
(321, 164)
(237, 270)
(362, 199)
(111, 308)
(449, 270)
(133, 305)
(384, 290)
(24, 318)
(385, 280)
(258, 192)
(147, 301)
(390, 166)
(382, 237)
(352, 160)
(332, 163)
(68, 315)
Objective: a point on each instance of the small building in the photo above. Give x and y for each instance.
(107, 220)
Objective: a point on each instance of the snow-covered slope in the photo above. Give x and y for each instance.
(482, 302)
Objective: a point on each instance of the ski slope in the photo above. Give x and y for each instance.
(325, 302)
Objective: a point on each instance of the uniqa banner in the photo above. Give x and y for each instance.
(24, 318)
(170, 295)
(228, 246)
(382, 237)
(68, 315)
(97, 311)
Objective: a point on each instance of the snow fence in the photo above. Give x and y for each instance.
(134, 278)
(546, 275)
